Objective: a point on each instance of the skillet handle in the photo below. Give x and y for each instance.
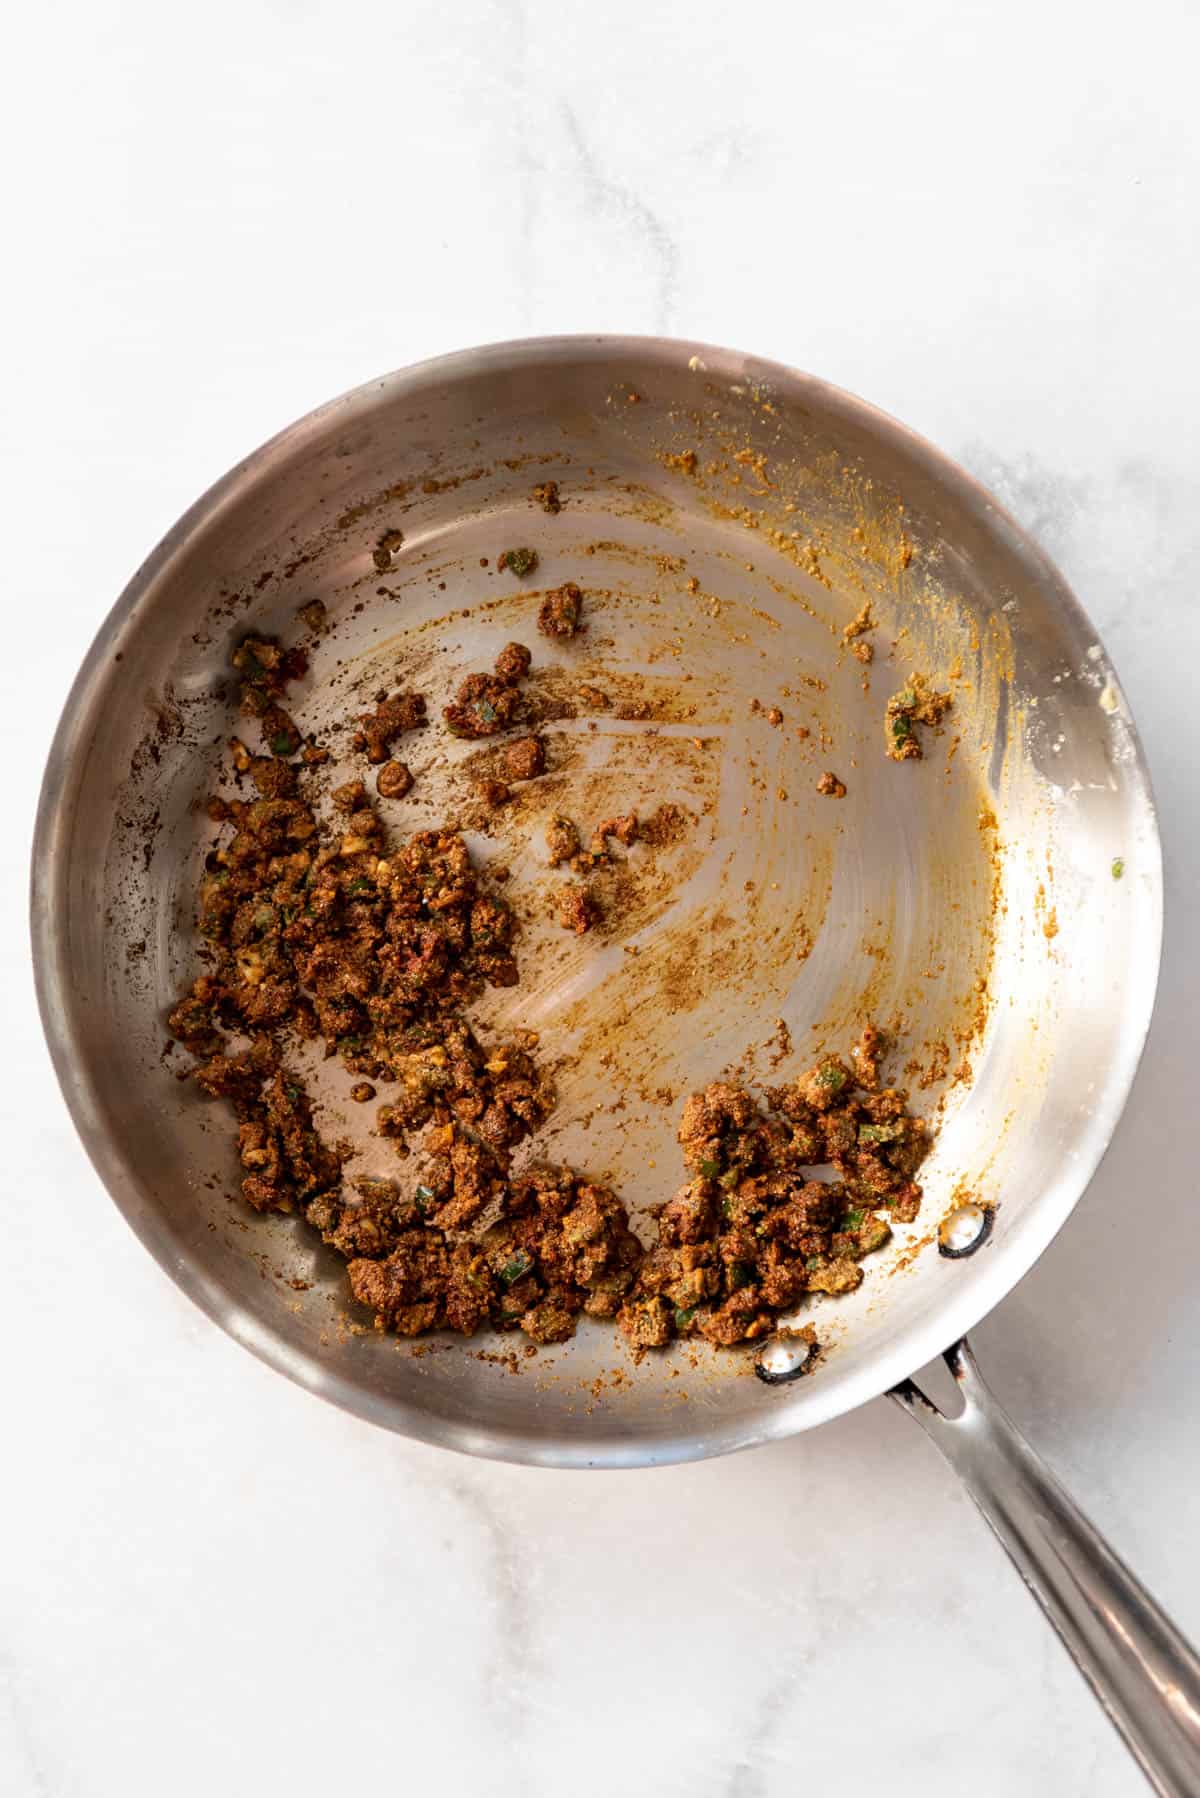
(1144, 1673)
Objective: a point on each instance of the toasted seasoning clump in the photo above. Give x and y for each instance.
(267, 669)
(525, 759)
(862, 622)
(486, 705)
(560, 611)
(392, 717)
(519, 562)
(493, 793)
(577, 910)
(752, 1233)
(562, 841)
(512, 664)
(624, 829)
(394, 780)
(915, 704)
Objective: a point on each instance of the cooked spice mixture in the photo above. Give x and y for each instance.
(519, 561)
(561, 611)
(376, 944)
(914, 704)
(753, 1231)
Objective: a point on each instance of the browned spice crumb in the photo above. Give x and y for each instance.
(386, 548)
(686, 461)
(831, 786)
(863, 651)
(775, 716)
(350, 798)
(577, 909)
(362, 1092)
(519, 561)
(314, 615)
(562, 841)
(394, 780)
(867, 1053)
(267, 669)
(546, 495)
(624, 828)
(916, 703)
(494, 793)
(862, 622)
(512, 664)
(392, 717)
(486, 705)
(525, 759)
(560, 611)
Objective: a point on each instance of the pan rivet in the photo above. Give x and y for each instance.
(785, 1358)
(964, 1230)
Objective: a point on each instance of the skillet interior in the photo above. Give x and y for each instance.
(1022, 970)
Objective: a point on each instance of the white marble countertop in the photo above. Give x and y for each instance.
(982, 217)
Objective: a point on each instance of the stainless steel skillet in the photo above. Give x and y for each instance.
(1000, 901)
